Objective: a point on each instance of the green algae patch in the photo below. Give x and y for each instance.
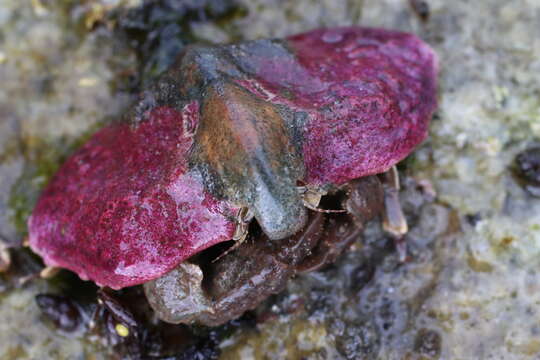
(295, 339)
(477, 265)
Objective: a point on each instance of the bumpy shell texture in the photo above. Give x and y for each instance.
(229, 127)
(125, 208)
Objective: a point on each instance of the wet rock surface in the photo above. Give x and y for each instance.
(469, 285)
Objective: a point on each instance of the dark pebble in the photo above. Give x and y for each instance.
(428, 343)
(62, 311)
(362, 275)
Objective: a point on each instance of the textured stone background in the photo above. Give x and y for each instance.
(471, 289)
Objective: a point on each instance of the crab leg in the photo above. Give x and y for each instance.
(243, 218)
(5, 256)
(311, 199)
(394, 221)
(49, 272)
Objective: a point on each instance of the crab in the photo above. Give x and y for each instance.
(285, 146)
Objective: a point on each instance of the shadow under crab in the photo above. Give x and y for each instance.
(234, 142)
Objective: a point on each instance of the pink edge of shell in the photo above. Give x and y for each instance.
(380, 92)
(123, 210)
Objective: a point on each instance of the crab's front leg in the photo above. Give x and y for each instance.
(394, 221)
(243, 218)
(311, 197)
(364, 200)
(5, 256)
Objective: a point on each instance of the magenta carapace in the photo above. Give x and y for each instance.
(234, 127)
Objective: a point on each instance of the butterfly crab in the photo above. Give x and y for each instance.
(288, 143)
